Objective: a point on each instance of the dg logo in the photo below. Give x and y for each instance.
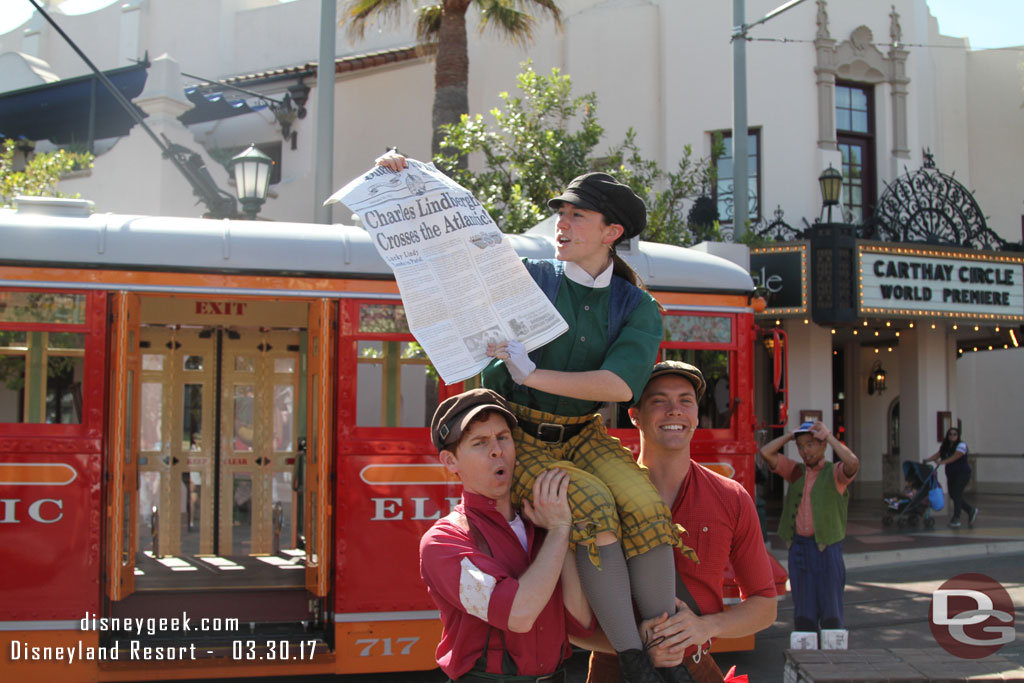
(972, 616)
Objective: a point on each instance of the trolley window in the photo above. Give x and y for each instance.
(42, 357)
(708, 341)
(396, 385)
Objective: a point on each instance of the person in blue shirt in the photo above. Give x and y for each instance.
(953, 454)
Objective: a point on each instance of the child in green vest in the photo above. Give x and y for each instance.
(813, 523)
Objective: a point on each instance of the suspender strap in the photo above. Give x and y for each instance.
(623, 298)
(683, 593)
(622, 301)
(508, 665)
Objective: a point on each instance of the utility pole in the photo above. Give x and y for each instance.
(740, 200)
(740, 175)
(323, 182)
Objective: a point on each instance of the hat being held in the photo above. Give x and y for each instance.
(804, 428)
(454, 414)
(601, 192)
(678, 367)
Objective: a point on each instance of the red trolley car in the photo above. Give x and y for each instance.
(214, 459)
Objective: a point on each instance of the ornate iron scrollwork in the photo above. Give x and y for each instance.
(777, 229)
(931, 207)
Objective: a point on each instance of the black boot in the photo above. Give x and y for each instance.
(635, 667)
(676, 674)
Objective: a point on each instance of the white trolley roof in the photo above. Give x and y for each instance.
(65, 233)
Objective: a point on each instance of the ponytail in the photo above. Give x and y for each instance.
(626, 272)
(623, 269)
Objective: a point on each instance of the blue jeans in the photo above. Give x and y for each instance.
(817, 579)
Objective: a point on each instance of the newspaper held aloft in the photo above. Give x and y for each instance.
(462, 284)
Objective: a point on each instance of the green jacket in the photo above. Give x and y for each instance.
(828, 508)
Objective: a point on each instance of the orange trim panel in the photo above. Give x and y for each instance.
(113, 278)
(407, 474)
(383, 646)
(37, 474)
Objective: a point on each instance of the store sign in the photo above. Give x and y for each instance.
(921, 282)
(782, 272)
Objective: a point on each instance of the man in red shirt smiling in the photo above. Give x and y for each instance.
(721, 523)
(494, 575)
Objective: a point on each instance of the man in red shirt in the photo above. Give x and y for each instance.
(721, 523)
(494, 575)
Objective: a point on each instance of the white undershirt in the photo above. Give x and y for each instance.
(520, 529)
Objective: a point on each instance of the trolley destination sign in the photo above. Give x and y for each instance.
(909, 281)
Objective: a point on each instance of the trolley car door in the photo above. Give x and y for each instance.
(123, 446)
(320, 445)
(259, 387)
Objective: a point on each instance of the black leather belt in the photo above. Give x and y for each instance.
(552, 432)
(471, 677)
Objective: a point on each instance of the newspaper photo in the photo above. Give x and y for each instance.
(462, 284)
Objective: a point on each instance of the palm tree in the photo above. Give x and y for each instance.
(443, 24)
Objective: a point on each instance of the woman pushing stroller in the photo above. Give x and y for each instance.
(953, 454)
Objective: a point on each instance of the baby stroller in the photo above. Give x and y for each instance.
(914, 504)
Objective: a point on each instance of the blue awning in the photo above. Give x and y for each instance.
(212, 105)
(59, 111)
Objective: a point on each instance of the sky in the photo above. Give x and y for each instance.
(987, 23)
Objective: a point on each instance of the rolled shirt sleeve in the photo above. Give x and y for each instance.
(634, 352)
(457, 572)
(787, 468)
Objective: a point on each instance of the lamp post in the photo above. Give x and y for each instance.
(876, 380)
(740, 191)
(831, 183)
(252, 176)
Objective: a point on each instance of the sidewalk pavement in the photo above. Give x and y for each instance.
(998, 529)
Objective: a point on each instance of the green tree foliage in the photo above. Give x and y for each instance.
(542, 137)
(41, 174)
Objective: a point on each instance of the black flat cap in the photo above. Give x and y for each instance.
(453, 414)
(601, 192)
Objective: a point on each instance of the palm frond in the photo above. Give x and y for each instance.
(548, 7)
(511, 19)
(358, 15)
(428, 23)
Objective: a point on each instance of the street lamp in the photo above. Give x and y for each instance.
(831, 183)
(252, 176)
(876, 380)
(740, 190)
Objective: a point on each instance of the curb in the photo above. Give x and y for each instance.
(911, 555)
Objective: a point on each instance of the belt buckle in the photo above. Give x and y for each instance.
(553, 427)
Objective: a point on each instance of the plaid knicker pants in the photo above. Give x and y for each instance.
(608, 490)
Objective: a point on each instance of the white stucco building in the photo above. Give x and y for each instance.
(865, 87)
